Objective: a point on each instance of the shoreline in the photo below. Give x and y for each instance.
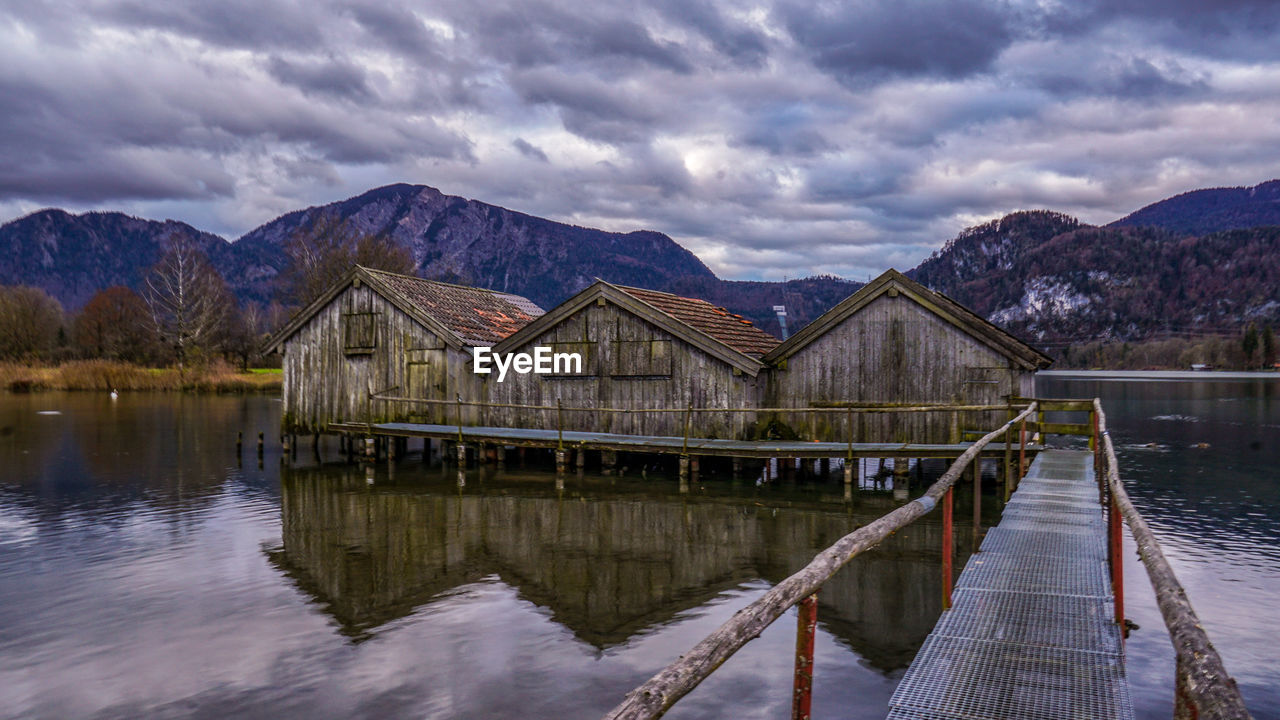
(1154, 375)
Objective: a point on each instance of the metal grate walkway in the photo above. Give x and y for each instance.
(1031, 633)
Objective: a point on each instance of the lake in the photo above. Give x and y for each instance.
(145, 570)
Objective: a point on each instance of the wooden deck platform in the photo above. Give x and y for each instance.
(1032, 632)
(543, 438)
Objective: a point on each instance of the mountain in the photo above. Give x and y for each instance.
(74, 256)
(451, 238)
(1041, 274)
(474, 243)
(1200, 212)
(1048, 278)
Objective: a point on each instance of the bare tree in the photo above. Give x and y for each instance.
(322, 250)
(30, 322)
(246, 332)
(188, 298)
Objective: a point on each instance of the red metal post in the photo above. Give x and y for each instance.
(802, 697)
(1117, 563)
(946, 550)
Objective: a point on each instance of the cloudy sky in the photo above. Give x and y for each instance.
(774, 139)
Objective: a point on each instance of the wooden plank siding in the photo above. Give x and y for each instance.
(894, 350)
(631, 363)
(325, 381)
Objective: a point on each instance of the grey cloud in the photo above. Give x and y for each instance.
(529, 34)
(234, 23)
(529, 150)
(867, 40)
(330, 76)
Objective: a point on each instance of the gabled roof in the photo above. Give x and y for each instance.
(713, 330)
(732, 330)
(462, 316)
(944, 307)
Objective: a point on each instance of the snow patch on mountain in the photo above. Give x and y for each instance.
(1043, 297)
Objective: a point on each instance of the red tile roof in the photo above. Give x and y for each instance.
(477, 316)
(732, 330)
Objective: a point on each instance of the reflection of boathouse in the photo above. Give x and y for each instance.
(607, 569)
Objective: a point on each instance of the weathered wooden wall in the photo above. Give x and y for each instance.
(628, 363)
(894, 351)
(324, 382)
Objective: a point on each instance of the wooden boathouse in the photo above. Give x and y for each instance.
(640, 349)
(377, 333)
(895, 342)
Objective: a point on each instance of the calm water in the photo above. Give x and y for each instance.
(144, 572)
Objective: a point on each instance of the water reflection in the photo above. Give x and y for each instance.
(610, 559)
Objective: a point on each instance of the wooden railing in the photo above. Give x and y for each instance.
(1203, 689)
(660, 692)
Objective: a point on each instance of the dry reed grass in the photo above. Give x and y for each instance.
(106, 375)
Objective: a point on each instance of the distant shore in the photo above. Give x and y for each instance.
(1202, 375)
(106, 375)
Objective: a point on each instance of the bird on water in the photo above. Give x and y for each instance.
(114, 394)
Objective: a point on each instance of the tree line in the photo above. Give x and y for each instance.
(183, 312)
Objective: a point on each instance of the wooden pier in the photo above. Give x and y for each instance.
(1036, 628)
(661, 444)
(1032, 628)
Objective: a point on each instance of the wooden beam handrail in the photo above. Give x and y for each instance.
(869, 409)
(653, 698)
(1202, 678)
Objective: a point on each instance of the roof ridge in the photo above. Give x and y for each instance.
(434, 282)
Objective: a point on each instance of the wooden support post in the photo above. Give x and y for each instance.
(562, 461)
(284, 444)
(684, 468)
(737, 466)
(947, 549)
(688, 416)
(392, 446)
(608, 460)
(581, 459)
(370, 449)
(239, 441)
(462, 456)
(901, 466)
(850, 471)
(260, 443)
(559, 425)
(806, 623)
(1022, 451)
(293, 446)
(500, 453)
(824, 468)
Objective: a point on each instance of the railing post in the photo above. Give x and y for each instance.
(947, 549)
(806, 623)
(977, 501)
(1116, 555)
(1022, 451)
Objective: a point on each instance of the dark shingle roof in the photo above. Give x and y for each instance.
(732, 330)
(477, 316)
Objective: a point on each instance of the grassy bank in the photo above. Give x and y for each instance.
(105, 375)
